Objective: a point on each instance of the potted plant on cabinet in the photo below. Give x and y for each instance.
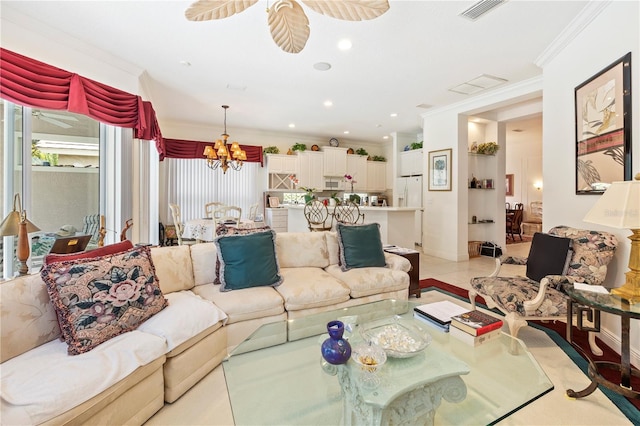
(299, 147)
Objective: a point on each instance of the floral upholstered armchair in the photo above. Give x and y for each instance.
(577, 256)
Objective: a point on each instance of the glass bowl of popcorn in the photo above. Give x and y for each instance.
(398, 338)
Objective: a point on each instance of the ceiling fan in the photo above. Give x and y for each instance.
(287, 21)
(54, 118)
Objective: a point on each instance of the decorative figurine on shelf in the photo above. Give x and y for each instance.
(474, 182)
(336, 350)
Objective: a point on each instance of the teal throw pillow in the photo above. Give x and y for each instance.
(360, 246)
(248, 261)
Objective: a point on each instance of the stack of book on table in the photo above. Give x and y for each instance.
(475, 327)
(438, 314)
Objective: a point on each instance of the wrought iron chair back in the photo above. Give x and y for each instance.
(348, 213)
(317, 215)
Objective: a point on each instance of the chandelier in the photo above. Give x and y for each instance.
(221, 154)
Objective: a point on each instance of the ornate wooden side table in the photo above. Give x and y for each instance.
(413, 257)
(592, 304)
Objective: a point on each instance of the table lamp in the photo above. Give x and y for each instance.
(16, 223)
(619, 207)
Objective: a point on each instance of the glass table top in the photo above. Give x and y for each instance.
(285, 384)
(605, 302)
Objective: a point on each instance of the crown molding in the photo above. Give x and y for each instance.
(571, 31)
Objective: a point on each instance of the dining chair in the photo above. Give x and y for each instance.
(514, 221)
(227, 215)
(348, 213)
(253, 211)
(210, 207)
(317, 215)
(177, 222)
(507, 206)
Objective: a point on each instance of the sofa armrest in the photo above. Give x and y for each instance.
(397, 262)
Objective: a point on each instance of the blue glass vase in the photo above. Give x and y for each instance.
(336, 350)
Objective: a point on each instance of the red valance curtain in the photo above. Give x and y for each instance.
(31, 83)
(179, 148)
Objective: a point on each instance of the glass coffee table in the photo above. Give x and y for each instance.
(285, 384)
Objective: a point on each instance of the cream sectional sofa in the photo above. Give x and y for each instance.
(128, 378)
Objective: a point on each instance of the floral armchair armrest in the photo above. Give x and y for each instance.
(514, 260)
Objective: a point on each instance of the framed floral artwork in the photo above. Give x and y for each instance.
(440, 170)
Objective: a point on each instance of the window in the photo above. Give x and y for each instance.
(52, 159)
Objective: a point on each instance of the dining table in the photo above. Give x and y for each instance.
(205, 229)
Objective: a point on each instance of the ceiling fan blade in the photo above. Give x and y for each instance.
(289, 26)
(349, 10)
(55, 122)
(58, 116)
(206, 10)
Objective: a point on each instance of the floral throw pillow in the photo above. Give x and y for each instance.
(99, 298)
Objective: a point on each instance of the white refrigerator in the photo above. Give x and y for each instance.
(410, 195)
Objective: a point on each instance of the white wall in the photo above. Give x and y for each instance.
(613, 33)
(445, 219)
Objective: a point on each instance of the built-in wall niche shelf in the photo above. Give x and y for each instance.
(481, 155)
(483, 222)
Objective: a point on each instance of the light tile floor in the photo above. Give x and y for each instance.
(207, 403)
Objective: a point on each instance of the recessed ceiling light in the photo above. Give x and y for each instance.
(291, 125)
(185, 63)
(322, 66)
(385, 137)
(346, 132)
(393, 114)
(344, 44)
(328, 104)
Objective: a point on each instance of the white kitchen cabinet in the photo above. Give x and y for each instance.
(282, 163)
(376, 176)
(357, 168)
(335, 161)
(411, 162)
(311, 170)
(279, 168)
(277, 219)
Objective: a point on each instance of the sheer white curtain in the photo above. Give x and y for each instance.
(191, 184)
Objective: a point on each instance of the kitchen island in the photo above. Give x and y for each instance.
(396, 223)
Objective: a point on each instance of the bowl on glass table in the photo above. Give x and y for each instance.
(399, 338)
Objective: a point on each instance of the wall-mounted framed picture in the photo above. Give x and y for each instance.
(440, 170)
(509, 186)
(603, 128)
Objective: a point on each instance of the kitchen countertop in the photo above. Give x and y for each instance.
(362, 208)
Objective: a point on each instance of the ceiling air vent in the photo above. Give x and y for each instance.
(480, 8)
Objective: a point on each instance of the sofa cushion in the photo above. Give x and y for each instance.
(28, 318)
(97, 299)
(187, 315)
(248, 261)
(360, 246)
(204, 257)
(299, 249)
(245, 304)
(332, 247)
(118, 247)
(367, 281)
(173, 268)
(305, 288)
(45, 382)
